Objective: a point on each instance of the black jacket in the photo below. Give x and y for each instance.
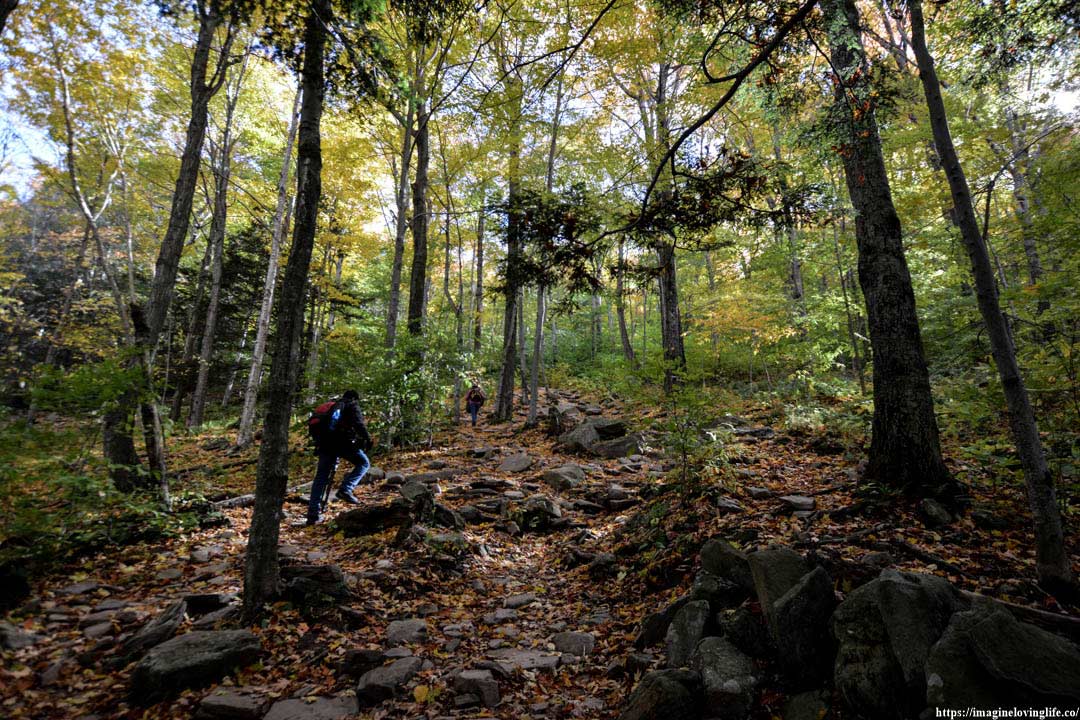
(351, 432)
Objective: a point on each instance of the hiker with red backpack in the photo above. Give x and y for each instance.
(474, 400)
(339, 432)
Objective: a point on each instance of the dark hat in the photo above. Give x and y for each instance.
(350, 395)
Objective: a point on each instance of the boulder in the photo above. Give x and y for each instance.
(988, 659)
(323, 708)
(159, 629)
(662, 695)
(618, 447)
(563, 417)
(479, 683)
(417, 492)
(537, 513)
(200, 604)
(717, 591)
(309, 585)
(727, 677)
(574, 643)
(775, 571)
(383, 683)
(724, 560)
(231, 704)
(747, 632)
(447, 517)
(801, 629)
(519, 462)
(198, 658)
(358, 661)
(564, 477)
(373, 519)
(685, 632)
(934, 514)
(403, 632)
(579, 439)
(885, 630)
(14, 638)
(654, 627)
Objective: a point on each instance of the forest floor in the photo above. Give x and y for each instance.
(78, 616)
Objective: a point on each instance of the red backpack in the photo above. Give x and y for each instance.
(323, 420)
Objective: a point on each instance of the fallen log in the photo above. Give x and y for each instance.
(1065, 625)
(243, 501)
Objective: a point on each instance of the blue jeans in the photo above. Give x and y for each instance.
(324, 474)
(474, 410)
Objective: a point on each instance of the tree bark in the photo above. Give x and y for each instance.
(478, 303)
(261, 571)
(1053, 564)
(172, 244)
(401, 225)
(538, 353)
(504, 399)
(195, 320)
(670, 318)
(222, 170)
(620, 307)
(6, 8)
(418, 277)
(251, 393)
(905, 451)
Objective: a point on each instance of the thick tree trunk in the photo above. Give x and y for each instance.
(905, 452)
(6, 8)
(401, 226)
(418, 278)
(1053, 564)
(261, 571)
(262, 329)
(504, 399)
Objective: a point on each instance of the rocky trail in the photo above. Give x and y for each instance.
(521, 574)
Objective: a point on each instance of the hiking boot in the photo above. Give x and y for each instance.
(312, 521)
(346, 496)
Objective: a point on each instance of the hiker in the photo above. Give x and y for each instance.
(473, 400)
(339, 432)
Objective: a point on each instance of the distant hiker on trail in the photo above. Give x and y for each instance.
(473, 400)
(339, 431)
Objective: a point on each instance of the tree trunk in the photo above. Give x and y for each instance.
(478, 303)
(262, 329)
(172, 245)
(6, 8)
(538, 353)
(401, 225)
(195, 321)
(1053, 564)
(670, 318)
(317, 329)
(620, 307)
(905, 452)
(418, 277)
(504, 400)
(261, 571)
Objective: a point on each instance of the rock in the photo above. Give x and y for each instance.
(451, 544)
(661, 696)
(618, 447)
(99, 630)
(375, 474)
(519, 601)
(79, 588)
(156, 631)
(471, 515)
(775, 571)
(322, 708)
(15, 638)
(933, 513)
(806, 706)
(358, 661)
(479, 683)
(727, 505)
(798, 502)
(201, 604)
(574, 643)
(685, 632)
(580, 439)
(759, 493)
(717, 591)
(519, 462)
(231, 704)
(747, 632)
(373, 519)
(500, 616)
(170, 574)
(564, 478)
(725, 561)
(801, 628)
(988, 659)
(417, 492)
(192, 660)
(447, 517)
(607, 429)
(382, 683)
(511, 659)
(602, 566)
(537, 513)
(987, 519)
(310, 585)
(727, 676)
(402, 632)
(654, 627)
(218, 618)
(884, 631)
(482, 452)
